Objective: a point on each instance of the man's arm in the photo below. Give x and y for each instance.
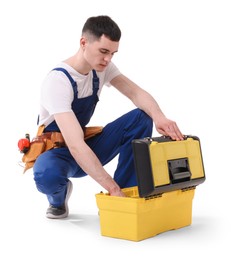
(83, 155)
(143, 100)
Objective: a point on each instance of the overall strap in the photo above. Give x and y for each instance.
(73, 83)
(95, 82)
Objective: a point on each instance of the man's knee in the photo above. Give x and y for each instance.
(144, 118)
(46, 175)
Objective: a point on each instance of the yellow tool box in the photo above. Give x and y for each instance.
(167, 174)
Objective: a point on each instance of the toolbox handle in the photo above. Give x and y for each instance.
(179, 170)
(166, 138)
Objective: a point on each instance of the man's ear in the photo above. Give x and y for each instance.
(83, 41)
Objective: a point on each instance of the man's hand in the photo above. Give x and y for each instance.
(168, 127)
(117, 193)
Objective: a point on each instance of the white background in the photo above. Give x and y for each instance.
(193, 57)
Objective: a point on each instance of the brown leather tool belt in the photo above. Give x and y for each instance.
(45, 141)
(57, 139)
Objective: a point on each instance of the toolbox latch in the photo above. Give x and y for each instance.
(179, 170)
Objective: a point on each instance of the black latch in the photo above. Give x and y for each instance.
(179, 170)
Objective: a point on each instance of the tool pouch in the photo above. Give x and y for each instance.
(37, 147)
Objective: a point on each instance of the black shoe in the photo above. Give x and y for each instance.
(62, 211)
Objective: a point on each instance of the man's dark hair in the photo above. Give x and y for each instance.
(99, 25)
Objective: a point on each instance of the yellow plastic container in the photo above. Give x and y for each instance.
(134, 218)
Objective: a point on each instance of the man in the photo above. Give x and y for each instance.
(69, 95)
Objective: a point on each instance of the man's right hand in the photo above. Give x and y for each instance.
(118, 193)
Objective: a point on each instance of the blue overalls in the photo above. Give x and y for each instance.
(53, 168)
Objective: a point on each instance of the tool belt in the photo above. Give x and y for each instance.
(50, 140)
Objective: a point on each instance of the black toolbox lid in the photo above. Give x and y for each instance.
(163, 164)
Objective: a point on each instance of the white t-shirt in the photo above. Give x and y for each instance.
(57, 92)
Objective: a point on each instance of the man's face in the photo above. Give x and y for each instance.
(98, 53)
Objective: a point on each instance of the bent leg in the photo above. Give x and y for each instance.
(140, 126)
(51, 172)
(116, 138)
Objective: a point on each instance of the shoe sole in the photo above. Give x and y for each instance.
(69, 192)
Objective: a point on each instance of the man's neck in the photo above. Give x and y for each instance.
(78, 64)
